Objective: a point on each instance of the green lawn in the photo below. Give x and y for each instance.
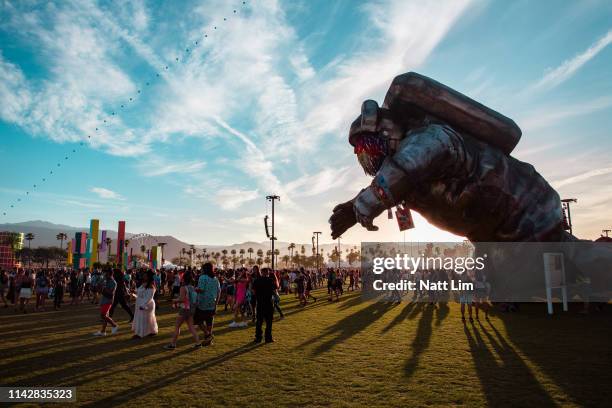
(350, 353)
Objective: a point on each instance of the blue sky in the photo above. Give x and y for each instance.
(262, 104)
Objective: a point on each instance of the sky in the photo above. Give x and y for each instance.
(180, 117)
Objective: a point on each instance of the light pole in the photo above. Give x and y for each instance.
(161, 245)
(606, 231)
(272, 238)
(339, 252)
(316, 234)
(566, 205)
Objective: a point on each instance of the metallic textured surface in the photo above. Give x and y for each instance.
(460, 183)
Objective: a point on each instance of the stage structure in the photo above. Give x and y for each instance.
(10, 243)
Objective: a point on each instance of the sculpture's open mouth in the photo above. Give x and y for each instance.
(370, 162)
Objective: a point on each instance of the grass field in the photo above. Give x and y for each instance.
(350, 353)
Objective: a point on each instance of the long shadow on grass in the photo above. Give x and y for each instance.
(422, 336)
(401, 316)
(169, 378)
(506, 384)
(348, 327)
(571, 350)
(72, 370)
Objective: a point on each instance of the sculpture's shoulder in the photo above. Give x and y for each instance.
(436, 136)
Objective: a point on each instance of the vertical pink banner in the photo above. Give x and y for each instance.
(120, 241)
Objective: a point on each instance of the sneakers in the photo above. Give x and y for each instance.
(115, 329)
(197, 345)
(169, 347)
(208, 341)
(233, 324)
(99, 334)
(243, 324)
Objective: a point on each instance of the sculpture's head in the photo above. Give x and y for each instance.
(373, 135)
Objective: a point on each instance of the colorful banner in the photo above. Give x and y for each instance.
(69, 251)
(93, 237)
(120, 241)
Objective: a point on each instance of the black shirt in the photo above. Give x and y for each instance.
(264, 287)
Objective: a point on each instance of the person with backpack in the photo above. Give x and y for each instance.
(209, 290)
(186, 304)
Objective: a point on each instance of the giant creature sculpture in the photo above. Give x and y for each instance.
(444, 155)
(434, 150)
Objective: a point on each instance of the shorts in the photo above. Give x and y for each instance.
(104, 309)
(25, 293)
(176, 290)
(185, 313)
(42, 291)
(465, 298)
(200, 316)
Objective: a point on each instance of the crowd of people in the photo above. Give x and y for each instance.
(250, 294)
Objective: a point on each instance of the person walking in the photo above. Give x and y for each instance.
(25, 290)
(264, 288)
(121, 295)
(187, 298)
(108, 289)
(4, 283)
(145, 323)
(42, 290)
(59, 283)
(209, 291)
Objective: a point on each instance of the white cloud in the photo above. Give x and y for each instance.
(552, 115)
(106, 193)
(310, 185)
(582, 177)
(153, 167)
(232, 198)
(569, 67)
(406, 32)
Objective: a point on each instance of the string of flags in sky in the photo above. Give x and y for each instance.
(185, 52)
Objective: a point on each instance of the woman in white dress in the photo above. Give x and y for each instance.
(145, 323)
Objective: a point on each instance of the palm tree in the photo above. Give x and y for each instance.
(259, 253)
(143, 249)
(204, 254)
(241, 255)
(61, 237)
(29, 237)
(233, 257)
(250, 251)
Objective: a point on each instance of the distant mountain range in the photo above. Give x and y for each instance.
(45, 235)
